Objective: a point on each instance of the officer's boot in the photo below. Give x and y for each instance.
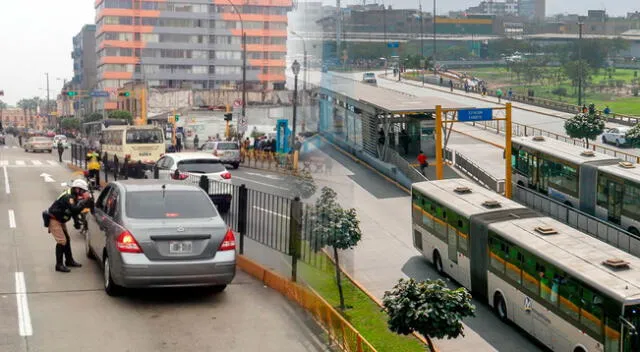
(59, 253)
(69, 257)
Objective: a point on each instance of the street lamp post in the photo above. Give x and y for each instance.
(304, 62)
(434, 37)
(244, 62)
(295, 67)
(580, 24)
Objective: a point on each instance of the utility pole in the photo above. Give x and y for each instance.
(580, 24)
(422, 41)
(434, 37)
(338, 29)
(47, 103)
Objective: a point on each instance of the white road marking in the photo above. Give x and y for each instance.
(6, 180)
(258, 182)
(12, 219)
(24, 317)
(36, 162)
(270, 212)
(4, 162)
(20, 162)
(52, 162)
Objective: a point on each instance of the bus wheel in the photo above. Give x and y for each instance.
(568, 203)
(500, 307)
(437, 262)
(579, 349)
(634, 231)
(520, 183)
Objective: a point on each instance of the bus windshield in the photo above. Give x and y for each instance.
(153, 136)
(631, 338)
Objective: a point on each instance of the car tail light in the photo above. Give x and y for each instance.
(226, 176)
(229, 242)
(126, 243)
(86, 173)
(179, 176)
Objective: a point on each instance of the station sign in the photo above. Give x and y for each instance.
(471, 115)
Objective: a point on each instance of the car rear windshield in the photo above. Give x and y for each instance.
(144, 136)
(169, 204)
(228, 146)
(201, 166)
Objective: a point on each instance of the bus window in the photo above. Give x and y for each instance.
(561, 177)
(429, 208)
(569, 300)
(603, 190)
(416, 206)
(514, 264)
(496, 247)
(529, 274)
(591, 312)
(520, 161)
(631, 200)
(144, 136)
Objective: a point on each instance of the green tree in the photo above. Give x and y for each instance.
(633, 136)
(572, 70)
(428, 307)
(304, 186)
(94, 116)
(334, 227)
(121, 115)
(70, 123)
(585, 126)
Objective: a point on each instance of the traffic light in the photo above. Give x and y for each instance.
(124, 94)
(228, 116)
(71, 93)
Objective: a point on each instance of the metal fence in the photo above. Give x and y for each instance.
(112, 166)
(477, 173)
(577, 219)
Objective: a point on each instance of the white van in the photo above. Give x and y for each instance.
(140, 143)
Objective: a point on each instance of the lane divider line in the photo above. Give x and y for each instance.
(24, 317)
(20, 162)
(270, 212)
(36, 162)
(6, 180)
(12, 219)
(258, 182)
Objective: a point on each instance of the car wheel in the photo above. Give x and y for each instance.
(50, 150)
(500, 307)
(87, 248)
(437, 262)
(217, 288)
(235, 166)
(110, 287)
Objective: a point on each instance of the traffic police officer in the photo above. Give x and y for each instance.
(93, 165)
(68, 205)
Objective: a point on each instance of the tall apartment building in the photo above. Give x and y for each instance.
(532, 9)
(84, 66)
(191, 43)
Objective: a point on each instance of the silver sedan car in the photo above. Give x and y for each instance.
(159, 233)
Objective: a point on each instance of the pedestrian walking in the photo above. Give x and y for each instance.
(451, 85)
(499, 94)
(60, 150)
(404, 141)
(510, 94)
(178, 144)
(422, 161)
(196, 142)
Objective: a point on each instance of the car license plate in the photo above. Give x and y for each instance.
(180, 247)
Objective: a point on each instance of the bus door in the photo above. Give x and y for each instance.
(533, 171)
(614, 201)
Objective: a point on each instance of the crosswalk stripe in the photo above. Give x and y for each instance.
(52, 162)
(4, 162)
(36, 162)
(20, 162)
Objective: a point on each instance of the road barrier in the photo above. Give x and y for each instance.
(338, 329)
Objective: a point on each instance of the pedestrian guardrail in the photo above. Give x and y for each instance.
(584, 222)
(477, 173)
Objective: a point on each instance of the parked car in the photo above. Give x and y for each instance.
(616, 136)
(369, 78)
(228, 152)
(190, 166)
(39, 144)
(159, 233)
(62, 138)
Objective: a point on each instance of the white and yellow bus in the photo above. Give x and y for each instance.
(138, 143)
(567, 289)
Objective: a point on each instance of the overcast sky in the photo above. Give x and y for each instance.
(36, 36)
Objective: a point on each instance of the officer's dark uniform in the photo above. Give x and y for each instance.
(64, 208)
(60, 150)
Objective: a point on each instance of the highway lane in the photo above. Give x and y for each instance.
(71, 312)
(545, 122)
(386, 253)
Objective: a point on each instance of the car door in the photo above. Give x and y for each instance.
(109, 224)
(96, 233)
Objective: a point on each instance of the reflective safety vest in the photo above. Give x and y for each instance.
(93, 163)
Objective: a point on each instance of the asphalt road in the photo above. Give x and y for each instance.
(43, 310)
